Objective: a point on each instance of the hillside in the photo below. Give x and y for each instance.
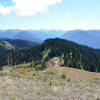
(7, 45)
(15, 43)
(48, 84)
(45, 70)
(74, 73)
(68, 53)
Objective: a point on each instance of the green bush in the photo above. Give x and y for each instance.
(40, 66)
(62, 75)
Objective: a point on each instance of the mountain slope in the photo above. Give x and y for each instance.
(7, 45)
(43, 85)
(15, 43)
(75, 73)
(31, 35)
(69, 54)
(89, 38)
(24, 35)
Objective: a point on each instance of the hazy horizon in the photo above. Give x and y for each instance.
(52, 29)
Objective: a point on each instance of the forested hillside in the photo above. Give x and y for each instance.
(8, 45)
(73, 55)
(15, 43)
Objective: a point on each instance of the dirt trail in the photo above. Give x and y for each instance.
(76, 73)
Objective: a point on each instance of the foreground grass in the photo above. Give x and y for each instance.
(47, 85)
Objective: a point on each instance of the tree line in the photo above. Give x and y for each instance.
(74, 55)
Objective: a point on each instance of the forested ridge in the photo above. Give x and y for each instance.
(74, 55)
(15, 43)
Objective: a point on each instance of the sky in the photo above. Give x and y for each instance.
(50, 14)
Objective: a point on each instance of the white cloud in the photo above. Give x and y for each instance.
(4, 10)
(28, 7)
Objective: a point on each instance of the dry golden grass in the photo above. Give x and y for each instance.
(76, 73)
(51, 84)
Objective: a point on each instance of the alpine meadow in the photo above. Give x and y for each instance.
(49, 50)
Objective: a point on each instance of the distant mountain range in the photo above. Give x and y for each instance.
(31, 35)
(90, 38)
